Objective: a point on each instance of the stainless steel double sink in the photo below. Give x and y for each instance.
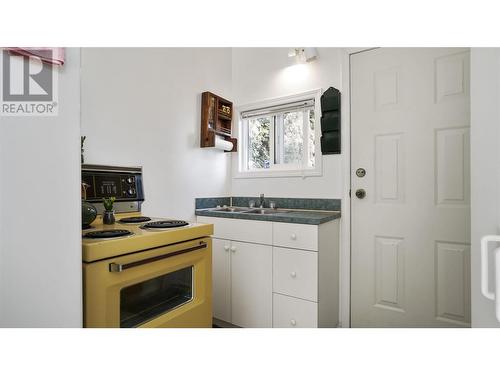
(245, 210)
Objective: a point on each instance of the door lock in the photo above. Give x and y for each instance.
(360, 193)
(360, 172)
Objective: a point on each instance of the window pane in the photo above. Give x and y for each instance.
(259, 132)
(286, 138)
(312, 150)
(293, 139)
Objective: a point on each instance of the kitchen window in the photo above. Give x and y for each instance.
(280, 137)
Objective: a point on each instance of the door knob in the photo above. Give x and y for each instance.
(233, 249)
(360, 193)
(293, 322)
(226, 247)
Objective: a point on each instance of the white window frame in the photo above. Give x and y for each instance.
(279, 170)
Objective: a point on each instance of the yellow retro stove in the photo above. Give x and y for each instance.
(142, 271)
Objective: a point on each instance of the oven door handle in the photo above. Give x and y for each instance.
(117, 267)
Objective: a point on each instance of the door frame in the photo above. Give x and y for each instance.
(345, 231)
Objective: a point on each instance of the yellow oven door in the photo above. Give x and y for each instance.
(170, 286)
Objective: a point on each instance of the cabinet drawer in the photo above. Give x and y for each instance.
(289, 312)
(295, 273)
(298, 236)
(240, 230)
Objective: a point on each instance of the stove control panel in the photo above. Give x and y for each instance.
(123, 183)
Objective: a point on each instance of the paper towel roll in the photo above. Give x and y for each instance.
(222, 144)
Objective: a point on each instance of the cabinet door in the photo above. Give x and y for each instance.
(221, 279)
(251, 285)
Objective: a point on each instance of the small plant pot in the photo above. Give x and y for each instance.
(108, 217)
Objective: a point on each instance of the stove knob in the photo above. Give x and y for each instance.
(131, 191)
(130, 180)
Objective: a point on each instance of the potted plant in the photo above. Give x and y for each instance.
(108, 217)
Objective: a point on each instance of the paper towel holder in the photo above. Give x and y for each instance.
(216, 120)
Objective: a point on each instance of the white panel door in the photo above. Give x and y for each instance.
(485, 176)
(251, 285)
(410, 119)
(221, 279)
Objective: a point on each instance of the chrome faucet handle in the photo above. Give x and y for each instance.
(261, 201)
(251, 204)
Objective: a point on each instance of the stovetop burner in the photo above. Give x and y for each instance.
(113, 233)
(164, 224)
(134, 219)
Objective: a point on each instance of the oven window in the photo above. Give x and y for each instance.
(151, 298)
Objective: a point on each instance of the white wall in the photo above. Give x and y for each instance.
(40, 214)
(142, 107)
(485, 169)
(265, 73)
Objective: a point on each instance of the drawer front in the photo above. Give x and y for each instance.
(295, 273)
(298, 236)
(240, 230)
(289, 312)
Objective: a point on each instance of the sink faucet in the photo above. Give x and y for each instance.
(261, 202)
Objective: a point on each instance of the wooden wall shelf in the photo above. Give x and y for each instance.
(216, 119)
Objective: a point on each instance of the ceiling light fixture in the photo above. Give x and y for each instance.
(303, 54)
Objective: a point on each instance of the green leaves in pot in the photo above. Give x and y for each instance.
(108, 203)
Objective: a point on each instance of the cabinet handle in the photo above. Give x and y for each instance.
(293, 274)
(293, 236)
(293, 322)
(233, 249)
(226, 247)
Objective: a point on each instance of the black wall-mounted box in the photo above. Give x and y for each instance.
(330, 122)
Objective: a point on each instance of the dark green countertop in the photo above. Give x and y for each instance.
(290, 216)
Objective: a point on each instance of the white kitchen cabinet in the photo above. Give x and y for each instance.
(251, 285)
(306, 275)
(221, 279)
(281, 274)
